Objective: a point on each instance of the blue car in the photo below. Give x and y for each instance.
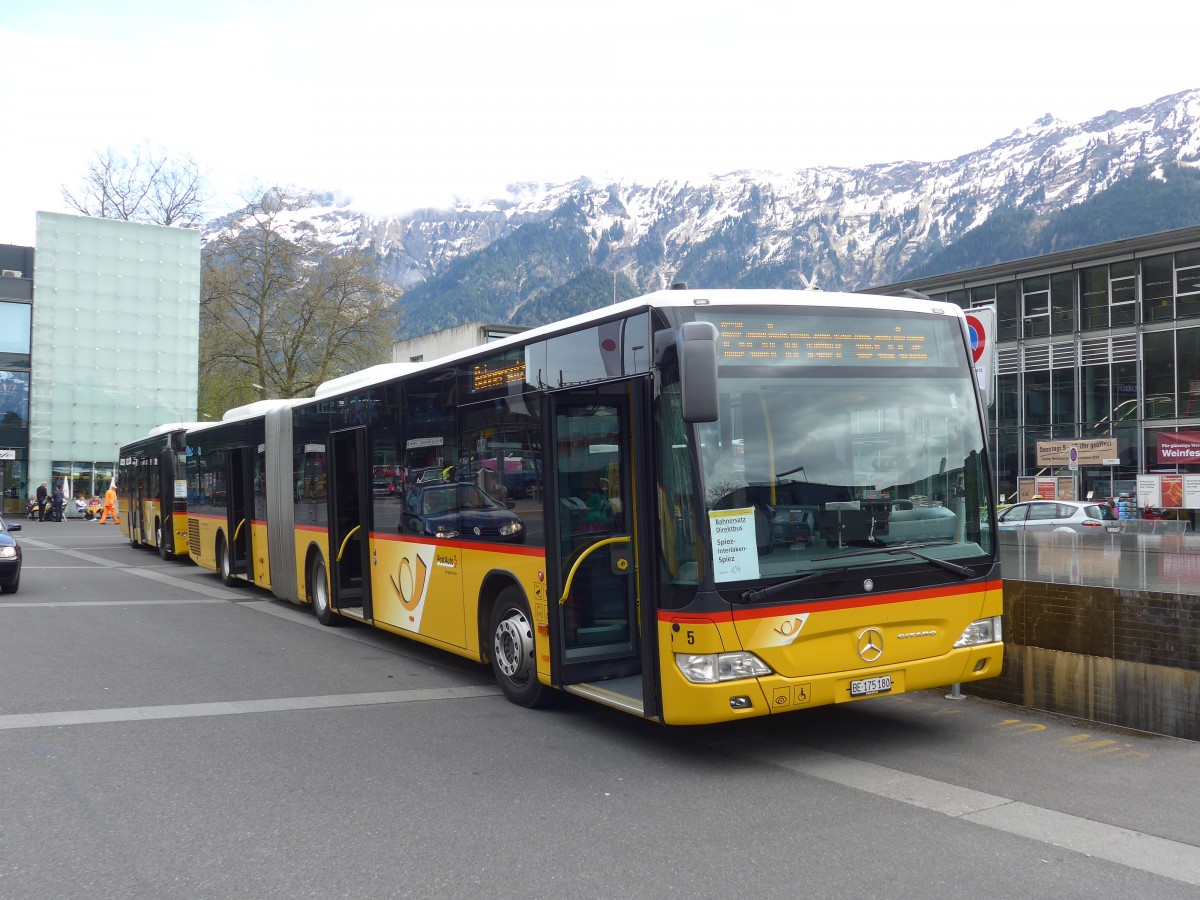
(459, 510)
(10, 558)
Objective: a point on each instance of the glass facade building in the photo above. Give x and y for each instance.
(103, 348)
(1100, 342)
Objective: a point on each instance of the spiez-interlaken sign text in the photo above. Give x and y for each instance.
(1092, 451)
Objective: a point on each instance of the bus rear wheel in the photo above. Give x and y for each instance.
(319, 584)
(225, 561)
(512, 651)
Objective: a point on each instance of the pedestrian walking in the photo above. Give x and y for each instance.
(58, 498)
(43, 508)
(110, 505)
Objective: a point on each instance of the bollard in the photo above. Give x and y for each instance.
(955, 693)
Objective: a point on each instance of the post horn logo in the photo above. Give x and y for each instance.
(870, 645)
(411, 584)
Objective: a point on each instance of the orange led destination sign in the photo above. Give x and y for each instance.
(832, 341)
(485, 378)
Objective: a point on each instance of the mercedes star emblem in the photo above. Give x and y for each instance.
(870, 645)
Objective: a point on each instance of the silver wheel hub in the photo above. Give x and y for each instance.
(513, 646)
(319, 597)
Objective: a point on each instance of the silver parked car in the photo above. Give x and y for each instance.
(1057, 515)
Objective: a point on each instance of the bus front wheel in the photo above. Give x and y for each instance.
(513, 654)
(320, 594)
(162, 547)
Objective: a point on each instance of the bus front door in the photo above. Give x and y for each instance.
(241, 507)
(350, 523)
(592, 540)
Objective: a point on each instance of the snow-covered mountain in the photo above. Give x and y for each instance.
(847, 227)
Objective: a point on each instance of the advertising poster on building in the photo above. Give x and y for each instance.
(1191, 492)
(1089, 452)
(1149, 492)
(1171, 489)
(1045, 487)
(1178, 447)
(1168, 491)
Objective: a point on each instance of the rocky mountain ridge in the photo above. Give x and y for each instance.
(847, 228)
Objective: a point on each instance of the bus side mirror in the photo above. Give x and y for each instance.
(696, 344)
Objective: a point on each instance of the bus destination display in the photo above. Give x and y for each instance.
(829, 341)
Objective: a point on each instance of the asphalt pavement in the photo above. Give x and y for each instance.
(162, 735)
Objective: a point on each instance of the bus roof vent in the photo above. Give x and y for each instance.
(679, 286)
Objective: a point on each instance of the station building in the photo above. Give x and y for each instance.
(1099, 342)
(99, 342)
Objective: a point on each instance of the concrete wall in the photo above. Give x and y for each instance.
(1124, 657)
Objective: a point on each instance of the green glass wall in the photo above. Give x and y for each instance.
(116, 318)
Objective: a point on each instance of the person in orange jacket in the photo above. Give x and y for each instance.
(110, 506)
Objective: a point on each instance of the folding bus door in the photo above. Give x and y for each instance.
(240, 479)
(597, 531)
(350, 522)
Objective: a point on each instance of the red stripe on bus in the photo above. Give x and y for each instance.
(514, 549)
(767, 612)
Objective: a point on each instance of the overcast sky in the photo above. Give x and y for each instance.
(400, 103)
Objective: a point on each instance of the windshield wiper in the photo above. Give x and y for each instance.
(961, 571)
(764, 593)
(911, 549)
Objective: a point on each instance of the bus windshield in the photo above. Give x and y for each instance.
(870, 443)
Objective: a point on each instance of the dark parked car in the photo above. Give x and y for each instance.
(10, 558)
(459, 510)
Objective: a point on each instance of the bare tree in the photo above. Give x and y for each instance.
(281, 312)
(146, 187)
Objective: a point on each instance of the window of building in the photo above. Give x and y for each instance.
(1158, 288)
(1125, 395)
(1187, 283)
(1093, 298)
(1123, 293)
(14, 334)
(1032, 436)
(1007, 321)
(14, 405)
(1035, 293)
(1007, 401)
(1037, 398)
(1158, 374)
(1095, 394)
(1187, 342)
(1007, 462)
(1062, 399)
(983, 296)
(1062, 303)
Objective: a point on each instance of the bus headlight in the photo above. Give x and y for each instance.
(981, 631)
(510, 528)
(710, 668)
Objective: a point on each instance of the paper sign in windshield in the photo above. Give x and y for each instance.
(735, 551)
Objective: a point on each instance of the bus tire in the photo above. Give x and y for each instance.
(166, 554)
(512, 650)
(225, 561)
(319, 586)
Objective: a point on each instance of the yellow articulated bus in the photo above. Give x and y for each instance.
(693, 506)
(151, 499)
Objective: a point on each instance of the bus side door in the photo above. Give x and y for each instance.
(595, 477)
(239, 479)
(350, 522)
